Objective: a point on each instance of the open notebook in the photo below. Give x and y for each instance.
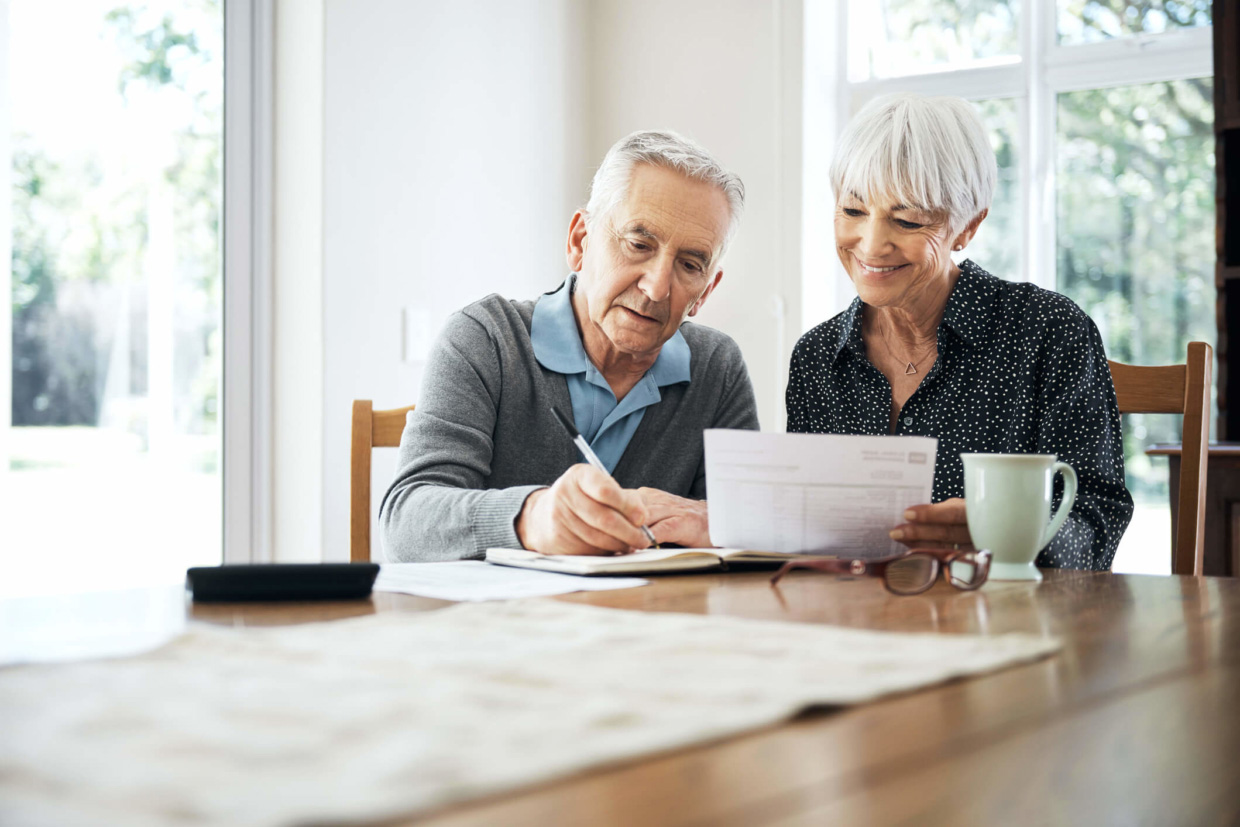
(649, 561)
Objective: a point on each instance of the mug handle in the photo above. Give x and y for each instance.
(1065, 505)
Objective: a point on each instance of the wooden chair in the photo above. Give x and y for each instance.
(1178, 389)
(371, 429)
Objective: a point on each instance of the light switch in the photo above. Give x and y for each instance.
(416, 335)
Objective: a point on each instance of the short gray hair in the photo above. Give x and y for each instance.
(671, 151)
(931, 153)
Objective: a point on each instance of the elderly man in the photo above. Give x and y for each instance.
(484, 461)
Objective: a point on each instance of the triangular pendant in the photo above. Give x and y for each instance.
(911, 368)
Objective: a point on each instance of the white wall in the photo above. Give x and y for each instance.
(826, 288)
(453, 157)
(297, 283)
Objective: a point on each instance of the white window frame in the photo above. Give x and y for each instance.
(6, 255)
(247, 318)
(1045, 69)
(247, 381)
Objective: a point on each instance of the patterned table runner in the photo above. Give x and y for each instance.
(398, 713)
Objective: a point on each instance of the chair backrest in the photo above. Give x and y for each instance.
(371, 429)
(1182, 389)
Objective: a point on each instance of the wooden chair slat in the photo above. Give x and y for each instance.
(371, 429)
(387, 426)
(1141, 389)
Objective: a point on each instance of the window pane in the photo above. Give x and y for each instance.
(998, 243)
(1136, 249)
(114, 449)
(893, 38)
(1089, 21)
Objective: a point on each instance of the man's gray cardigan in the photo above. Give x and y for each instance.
(483, 436)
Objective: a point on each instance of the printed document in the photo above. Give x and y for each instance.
(814, 493)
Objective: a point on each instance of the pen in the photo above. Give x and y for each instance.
(584, 448)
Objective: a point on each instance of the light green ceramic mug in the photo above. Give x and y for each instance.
(1008, 501)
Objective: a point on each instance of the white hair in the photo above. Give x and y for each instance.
(668, 150)
(929, 153)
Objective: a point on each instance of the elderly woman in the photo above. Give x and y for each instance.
(932, 348)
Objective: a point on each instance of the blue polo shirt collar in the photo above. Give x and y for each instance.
(558, 347)
(606, 424)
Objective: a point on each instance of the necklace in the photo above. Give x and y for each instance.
(882, 330)
(910, 366)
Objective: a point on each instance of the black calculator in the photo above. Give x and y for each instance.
(282, 581)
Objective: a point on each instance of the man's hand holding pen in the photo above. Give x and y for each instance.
(587, 512)
(584, 512)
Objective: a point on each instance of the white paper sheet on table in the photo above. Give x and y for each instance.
(475, 580)
(814, 493)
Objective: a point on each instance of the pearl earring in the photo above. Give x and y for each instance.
(958, 247)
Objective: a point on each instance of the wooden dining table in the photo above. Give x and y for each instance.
(1135, 721)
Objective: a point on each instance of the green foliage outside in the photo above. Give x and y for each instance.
(1136, 230)
(80, 240)
(997, 247)
(53, 355)
(1088, 21)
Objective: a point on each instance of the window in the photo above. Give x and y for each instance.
(112, 449)
(1101, 115)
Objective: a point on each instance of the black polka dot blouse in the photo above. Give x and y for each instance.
(1020, 370)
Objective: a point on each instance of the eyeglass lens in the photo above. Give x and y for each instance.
(912, 574)
(965, 572)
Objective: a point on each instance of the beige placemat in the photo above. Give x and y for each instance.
(398, 713)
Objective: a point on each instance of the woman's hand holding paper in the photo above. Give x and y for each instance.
(941, 525)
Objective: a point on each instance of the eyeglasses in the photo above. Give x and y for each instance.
(910, 573)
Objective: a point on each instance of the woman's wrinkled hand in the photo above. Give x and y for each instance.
(940, 525)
